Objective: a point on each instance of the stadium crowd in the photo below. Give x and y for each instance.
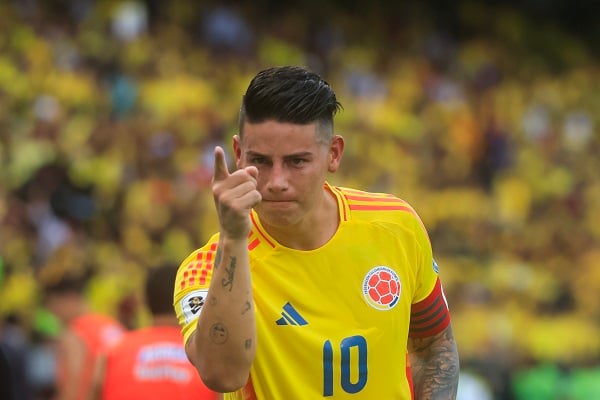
(109, 112)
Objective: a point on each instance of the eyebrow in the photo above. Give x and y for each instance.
(302, 154)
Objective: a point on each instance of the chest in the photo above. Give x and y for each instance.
(353, 280)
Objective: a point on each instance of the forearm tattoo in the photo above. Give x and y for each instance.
(218, 333)
(218, 258)
(247, 307)
(435, 367)
(228, 281)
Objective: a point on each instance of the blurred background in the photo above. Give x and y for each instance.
(484, 115)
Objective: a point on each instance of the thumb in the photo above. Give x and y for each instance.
(220, 170)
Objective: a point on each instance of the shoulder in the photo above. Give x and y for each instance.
(200, 256)
(384, 210)
(99, 323)
(376, 205)
(71, 342)
(195, 270)
(92, 321)
(130, 339)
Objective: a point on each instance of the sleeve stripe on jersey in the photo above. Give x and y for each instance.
(196, 271)
(373, 202)
(434, 318)
(371, 198)
(377, 202)
(430, 316)
(433, 309)
(365, 194)
(377, 207)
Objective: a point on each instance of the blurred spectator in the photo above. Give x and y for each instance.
(471, 386)
(150, 363)
(56, 208)
(496, 153)
(41, 372)
(15, 347)
(85, 333)
(130, 20)
(7, 380)
(123, 95)
(226, 32)
(578, 129)
(52, 231)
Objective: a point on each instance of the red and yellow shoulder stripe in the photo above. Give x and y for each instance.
(361, 201)
(358, 200)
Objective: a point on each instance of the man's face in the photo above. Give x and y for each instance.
(292, 168)
(60, 304)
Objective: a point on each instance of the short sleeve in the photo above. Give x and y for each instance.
(429, 311)
(191, 286)
(427, 271)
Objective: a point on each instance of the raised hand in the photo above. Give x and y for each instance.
(235, 194)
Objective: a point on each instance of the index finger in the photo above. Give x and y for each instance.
(220, 170)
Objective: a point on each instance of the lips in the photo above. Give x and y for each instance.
(277, 201)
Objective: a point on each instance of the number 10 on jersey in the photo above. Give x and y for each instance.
(353, 355)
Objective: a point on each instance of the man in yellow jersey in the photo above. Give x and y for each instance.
(310, 291)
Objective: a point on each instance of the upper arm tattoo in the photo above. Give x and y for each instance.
(435, 365)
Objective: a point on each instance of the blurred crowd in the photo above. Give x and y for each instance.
(109, 112)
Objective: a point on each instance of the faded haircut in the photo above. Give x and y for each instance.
(290, 94)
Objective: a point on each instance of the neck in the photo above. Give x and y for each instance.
(74, 309)
(164, 320)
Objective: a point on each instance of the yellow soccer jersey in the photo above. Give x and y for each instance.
(333, 322)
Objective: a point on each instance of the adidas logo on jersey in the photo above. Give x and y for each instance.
(289, 316)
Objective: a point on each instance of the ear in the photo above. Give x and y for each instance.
(336, 149)
(237, 150)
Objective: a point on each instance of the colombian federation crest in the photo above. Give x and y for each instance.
(382, 288)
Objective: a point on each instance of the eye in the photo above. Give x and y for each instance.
(297, 162)
(258, 160)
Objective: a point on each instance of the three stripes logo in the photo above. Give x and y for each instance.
(290, 316)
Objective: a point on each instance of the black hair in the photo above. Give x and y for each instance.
(67, 282)
(160, 283)
(289, 94)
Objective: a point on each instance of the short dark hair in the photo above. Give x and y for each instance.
(160, 283)
(289, 94)
(65, 282)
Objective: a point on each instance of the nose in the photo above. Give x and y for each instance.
(278, 181)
